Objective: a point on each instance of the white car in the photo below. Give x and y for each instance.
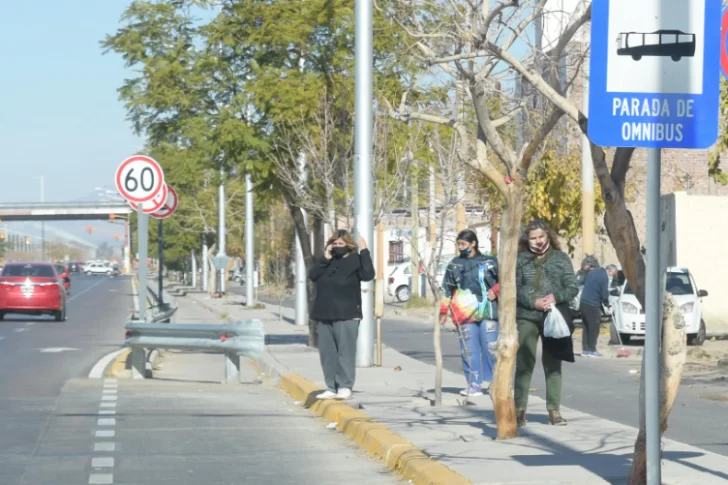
(398, 284)
(629, 317)
(98, 269)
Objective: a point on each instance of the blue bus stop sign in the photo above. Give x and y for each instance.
(655, 73)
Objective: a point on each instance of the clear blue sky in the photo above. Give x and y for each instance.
(60, 116)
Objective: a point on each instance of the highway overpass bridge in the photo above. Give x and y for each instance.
(62, 211)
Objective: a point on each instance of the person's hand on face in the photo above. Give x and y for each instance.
(328, 254)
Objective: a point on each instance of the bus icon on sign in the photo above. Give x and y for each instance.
(674, 44)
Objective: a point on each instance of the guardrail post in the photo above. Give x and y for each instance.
(138, 363)
(232, 367)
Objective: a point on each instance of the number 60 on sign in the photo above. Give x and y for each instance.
(139, 179)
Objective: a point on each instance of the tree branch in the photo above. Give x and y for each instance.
(551, 120)
(620, 167)
(541, 85)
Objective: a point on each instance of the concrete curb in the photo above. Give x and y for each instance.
(397, 453)
(118, 366)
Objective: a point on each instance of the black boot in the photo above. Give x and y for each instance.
(520, 418)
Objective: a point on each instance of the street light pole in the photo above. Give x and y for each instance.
(221, 231)
(363, 147)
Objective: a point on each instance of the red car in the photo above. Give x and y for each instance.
(32, 289)
(64, 275)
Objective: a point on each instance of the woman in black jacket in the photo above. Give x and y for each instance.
(337, 309)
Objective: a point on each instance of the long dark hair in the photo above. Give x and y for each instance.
(533, 225)
(469, 236)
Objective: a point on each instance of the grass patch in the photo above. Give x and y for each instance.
(224, 316)
(257, 306)
(418, 302)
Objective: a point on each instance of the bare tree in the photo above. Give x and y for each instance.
(454, 37)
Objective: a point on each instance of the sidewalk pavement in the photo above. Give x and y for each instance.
(456, 441)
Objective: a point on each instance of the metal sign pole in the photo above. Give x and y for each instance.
(142, 232)
(653, 303)
(160, 256)
(249, 244)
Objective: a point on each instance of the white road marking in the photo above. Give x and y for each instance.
(98, 370)
(101, 479)
(105, 433)
(19, 330)
(2, 338)
(102, 462)
(108, 412)
(30, 324)
(76, 295)
(110, 380)
(108, 398)
(56, 350)
(104, 446)
(106, 422)
(110, 390)
(108, 404)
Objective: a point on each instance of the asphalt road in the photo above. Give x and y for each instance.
(601, 387)
(38, 355)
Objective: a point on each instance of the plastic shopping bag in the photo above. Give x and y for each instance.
(555, 326)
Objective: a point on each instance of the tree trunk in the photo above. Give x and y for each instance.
(672, 361)
(306, 249)
(212, 274)
(438, 357)
(502, 385)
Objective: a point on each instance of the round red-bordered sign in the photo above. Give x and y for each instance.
(155, 204)
(139, 179)
(170, 205)
(723, 43)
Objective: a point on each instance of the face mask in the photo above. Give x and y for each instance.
(539, 248)
(340, 252)
(465, 253)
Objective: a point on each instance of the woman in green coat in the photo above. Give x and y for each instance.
(544, 280)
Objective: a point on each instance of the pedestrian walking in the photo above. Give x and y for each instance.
(594, 294)
(545, 281)
(470, 295)
(337, 309)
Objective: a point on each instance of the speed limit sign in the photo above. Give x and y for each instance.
(140, 179)
(169, 206)
(155, 204)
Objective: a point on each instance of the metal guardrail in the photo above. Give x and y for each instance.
(244, 338)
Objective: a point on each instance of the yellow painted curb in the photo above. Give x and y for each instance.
(118, 367)
(377, 439)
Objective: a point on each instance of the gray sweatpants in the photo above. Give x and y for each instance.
(337, 349)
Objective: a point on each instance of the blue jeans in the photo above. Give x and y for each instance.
(477, 346)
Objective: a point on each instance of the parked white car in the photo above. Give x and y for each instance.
(399, 280)
(629, 317)
(98, 269)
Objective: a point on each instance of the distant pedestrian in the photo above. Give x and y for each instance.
(337, 309)
(470, 292)
(593, 296)
(545, 280)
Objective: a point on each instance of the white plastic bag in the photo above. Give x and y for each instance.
(555, 326)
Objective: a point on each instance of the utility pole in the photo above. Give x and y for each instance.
(363, 148)
(414, 244)
(222, 256)
(193, 266)
(301, 276)
(587, 174)
(204, 262)
(249, 244)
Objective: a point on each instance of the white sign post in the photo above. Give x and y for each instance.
(140, 180)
